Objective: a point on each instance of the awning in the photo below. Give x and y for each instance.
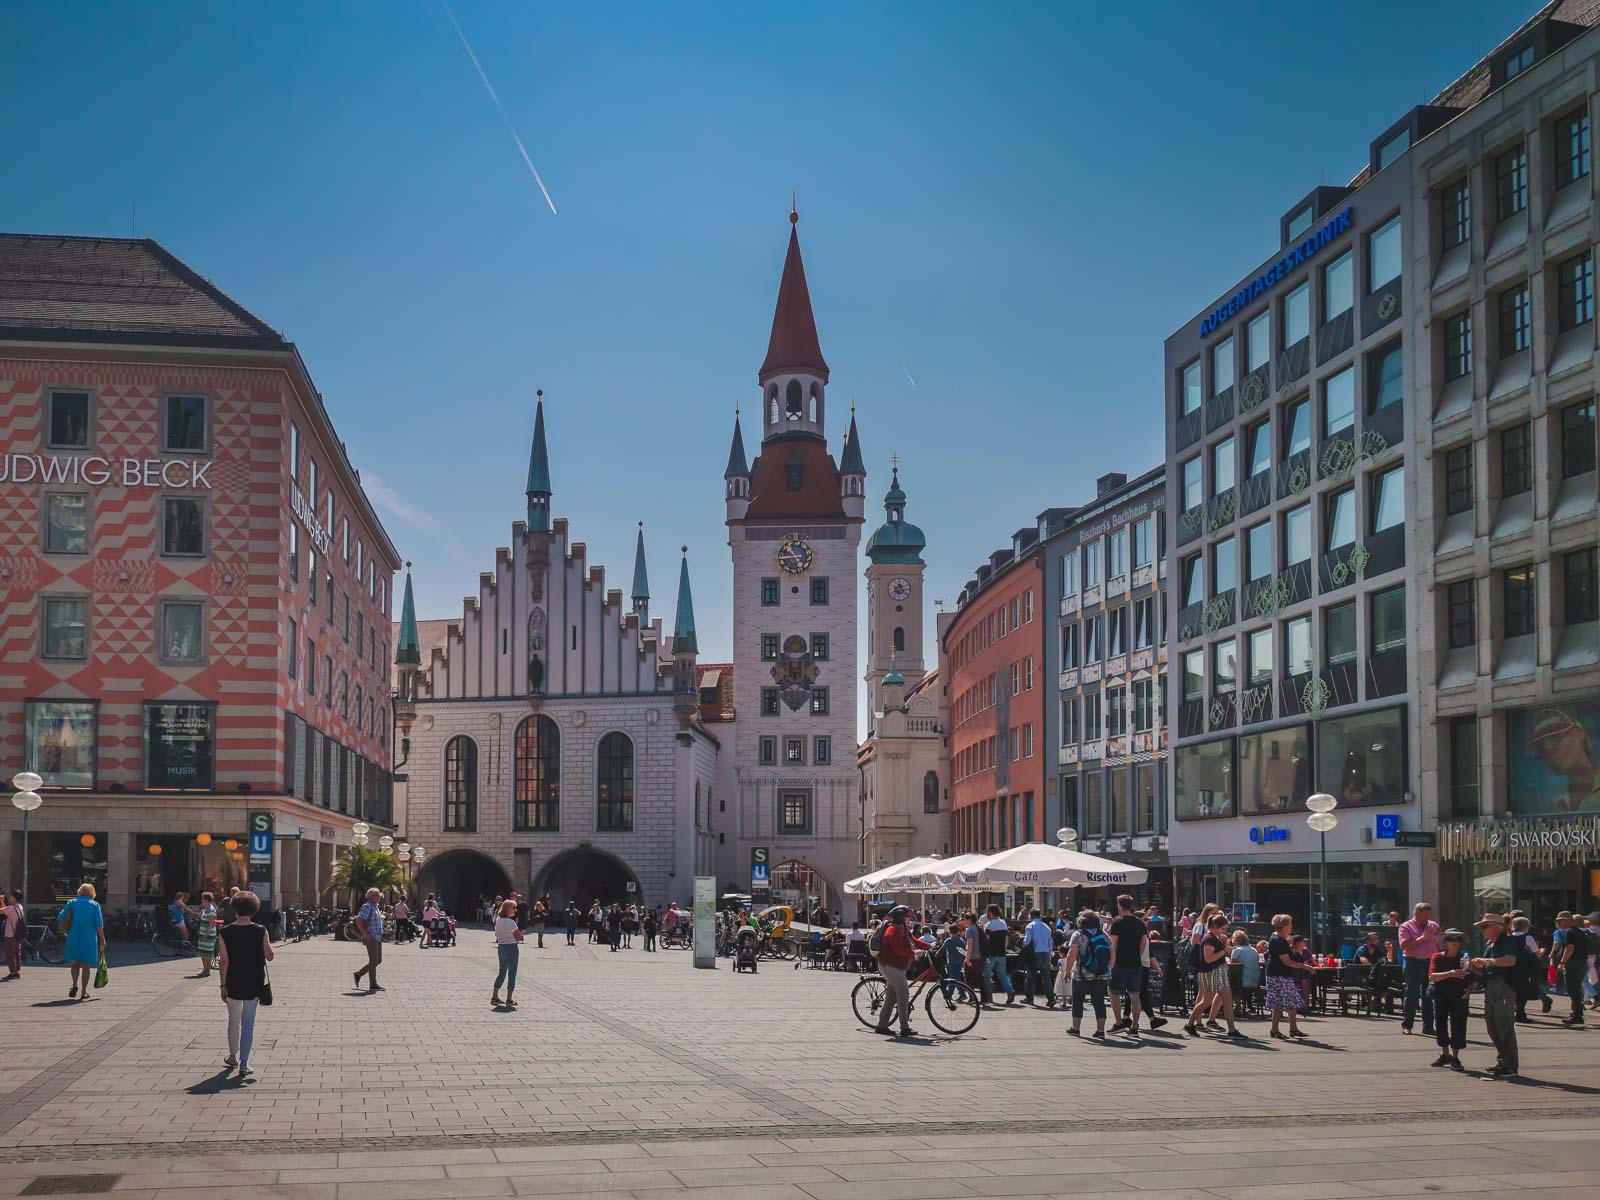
(1037, 863)
(873, 881)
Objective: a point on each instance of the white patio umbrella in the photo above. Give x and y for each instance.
(928, 878)
(1040, 865)
(874, 881)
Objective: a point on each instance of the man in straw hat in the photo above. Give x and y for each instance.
(1497, 969)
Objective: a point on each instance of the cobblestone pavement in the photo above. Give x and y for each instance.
(637, 1075)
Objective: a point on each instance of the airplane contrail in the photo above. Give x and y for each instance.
(504, 116)
(907, 370)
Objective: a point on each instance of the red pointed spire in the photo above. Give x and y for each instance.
(793, 346)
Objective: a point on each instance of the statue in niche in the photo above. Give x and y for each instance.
(535, 675)
(535, 648)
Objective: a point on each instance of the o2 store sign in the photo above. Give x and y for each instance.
(98, 472)
(1263, 835)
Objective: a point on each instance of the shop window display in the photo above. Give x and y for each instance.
(1361, 759)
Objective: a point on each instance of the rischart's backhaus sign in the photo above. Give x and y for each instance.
(105, 472)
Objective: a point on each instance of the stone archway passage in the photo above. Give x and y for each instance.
(458, 878)
(585, 875)
(800, 885)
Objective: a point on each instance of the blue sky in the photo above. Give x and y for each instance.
(1011, 205)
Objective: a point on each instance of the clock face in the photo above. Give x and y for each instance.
(899, 588)
(795, 555)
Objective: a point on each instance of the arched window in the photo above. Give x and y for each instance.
(536, 779)
(461, 785)
(794, 400)
(816, 397)
(772, 406)
(899, 637)
(930, 792)
(614, 794)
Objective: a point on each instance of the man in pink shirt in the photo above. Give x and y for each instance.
(1419, 942)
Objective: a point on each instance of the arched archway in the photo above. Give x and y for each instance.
(459, 877)
(801, 886)
(586, 874)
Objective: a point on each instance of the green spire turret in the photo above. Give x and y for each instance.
(538, 490)
(737, 466)
(407, 649)
(641, 580)
(851, 462)
(683, 636)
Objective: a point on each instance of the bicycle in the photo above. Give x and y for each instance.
(44, 943)
(167, 943)
(952, 1006)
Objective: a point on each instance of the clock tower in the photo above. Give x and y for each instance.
(894, 600)
(794, 519)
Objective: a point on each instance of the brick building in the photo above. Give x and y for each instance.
(193, 588)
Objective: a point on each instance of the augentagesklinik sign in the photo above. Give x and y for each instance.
(1292, 258)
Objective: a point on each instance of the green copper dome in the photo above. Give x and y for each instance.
(896, 540)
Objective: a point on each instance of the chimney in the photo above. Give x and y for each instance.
(1109, 482)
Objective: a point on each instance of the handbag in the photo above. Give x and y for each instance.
(264, 996)
(102, 973)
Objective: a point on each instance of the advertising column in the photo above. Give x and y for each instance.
(260, 828)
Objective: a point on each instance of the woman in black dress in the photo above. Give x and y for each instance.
(245, 953)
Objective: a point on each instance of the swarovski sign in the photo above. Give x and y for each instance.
(1541, 841)
(100, 472)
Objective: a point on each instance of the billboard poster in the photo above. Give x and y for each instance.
(179, 747)
(1551, 761)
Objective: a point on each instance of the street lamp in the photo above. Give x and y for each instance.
(1322, 820)
(1067, 839)
(386, 841)
(26, 799)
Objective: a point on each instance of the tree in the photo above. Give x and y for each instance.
(359, 869)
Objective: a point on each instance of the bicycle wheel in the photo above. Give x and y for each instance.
(163, 946)
(952, 1006)
(867, 999)
(52, 946)
(787, 947)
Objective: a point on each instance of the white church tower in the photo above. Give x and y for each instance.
(794, 521)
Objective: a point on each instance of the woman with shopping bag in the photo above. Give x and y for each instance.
(83, 923)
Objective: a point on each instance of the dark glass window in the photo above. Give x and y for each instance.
(1204, 780)
(536, 785)
(1194, 681)
(769, 702)
(1389, 619)
(1258, 551)
(767, 751)
(1458, 480)
(1259, 669)
(795, 812)
(1224, 669)
(1193, 587)
(822, 751)
(1385, 387)
(1520, 601)
(794, 750)
(819, 701)
(1572, 146)
(1518, 62)
(1575, 291)
(930, 792)
(1511, 182)
(1455, 204)
(769, 647)
(461, 785)
(186, 425)
(1297, 427)
(69, 419)
(1463, 767)
(819, 590)
(66, 523)
(1516, 321)
(183, 529)
(1577, 439)
(1339, 633)
(1297, 535)
(1339, 520)
(1458, 345)
(769, 592)
(1363, 757)
(1516, 460)
(1387, 500)
(1461, 613)
(1257, 448)
(614, 789)
(819, 647)
(1339, 402)
(1578, 577)
(1274, 770)
(65, 627)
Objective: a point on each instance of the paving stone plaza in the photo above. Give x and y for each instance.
(636, 1074)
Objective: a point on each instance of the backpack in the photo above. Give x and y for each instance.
(1095, 960)
(1528, 970)
(875, 941)
(1197, 957)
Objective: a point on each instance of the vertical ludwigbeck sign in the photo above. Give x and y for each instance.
(260, 830)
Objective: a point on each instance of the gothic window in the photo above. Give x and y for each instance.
(536, 787)
(615, 789)
(794, 400)
(816, 395)
(461, 785)
(772, 407)
(930, 792)
(899, 638)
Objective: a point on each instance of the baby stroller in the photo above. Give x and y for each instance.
(744, 949)
(441, 931)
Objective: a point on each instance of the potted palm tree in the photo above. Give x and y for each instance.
(359, 869)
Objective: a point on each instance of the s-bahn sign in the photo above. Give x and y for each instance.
(101, 472)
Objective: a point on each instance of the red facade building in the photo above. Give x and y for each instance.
(991, 652)
(194, 591)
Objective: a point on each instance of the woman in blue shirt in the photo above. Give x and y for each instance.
(81, 920)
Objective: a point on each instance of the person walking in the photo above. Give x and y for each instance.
(402, 920)
(1571, 960)
(1419, 942)
(205, 933)
(246, 951)
(1532, 981)
(1214, 976)
(995, 933)
(1129, 941)
(86, 938)
(597, 922)
(895, 953)
(1452, 984)
(369, 923)
(651, 924)
(1036, 947)
(1283, 977)
(541, 915)
(1088, 966)
(508, 945)
(15, 922)
(1497, 968)
(614, 927)
(572, 922)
